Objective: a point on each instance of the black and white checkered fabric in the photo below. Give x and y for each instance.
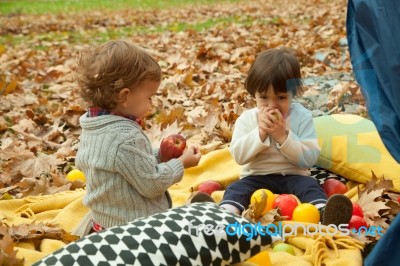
(322, 174)
(164, 239)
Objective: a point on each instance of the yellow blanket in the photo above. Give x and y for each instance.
(66, 209)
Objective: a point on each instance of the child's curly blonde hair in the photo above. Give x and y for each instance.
(103, 71)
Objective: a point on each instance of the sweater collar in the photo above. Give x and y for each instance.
(97, 111)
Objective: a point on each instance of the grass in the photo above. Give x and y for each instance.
(38, 7)
(61, 6)
(94, 36)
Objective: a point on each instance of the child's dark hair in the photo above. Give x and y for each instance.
(105, 70)
(278, 67)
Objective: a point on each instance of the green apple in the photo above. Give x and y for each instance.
(284, 247)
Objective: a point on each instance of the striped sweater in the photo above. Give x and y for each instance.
(124, 177)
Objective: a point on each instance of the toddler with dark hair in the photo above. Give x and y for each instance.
(276, 142)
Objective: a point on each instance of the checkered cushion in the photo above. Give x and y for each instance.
(322, 174)
(164, 239)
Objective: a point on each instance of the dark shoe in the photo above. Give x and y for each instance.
(338, 210)
(200, 197)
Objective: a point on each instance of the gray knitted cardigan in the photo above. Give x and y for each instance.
(124, 178)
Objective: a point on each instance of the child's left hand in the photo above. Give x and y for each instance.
(276, 126)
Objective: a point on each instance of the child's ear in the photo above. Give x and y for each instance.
(123, 95)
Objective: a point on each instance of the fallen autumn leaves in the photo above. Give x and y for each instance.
(202, 91)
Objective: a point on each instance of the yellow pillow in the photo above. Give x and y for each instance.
(351, 147)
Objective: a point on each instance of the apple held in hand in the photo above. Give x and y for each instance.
(276, 116)
(357, 210)
(286, 204)
(171, 147)
(333, 186)
(209, 186)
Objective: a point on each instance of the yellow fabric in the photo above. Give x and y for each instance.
(315, 251)
(351, 147)
(217, 165)
(347, 257)
(66, 209)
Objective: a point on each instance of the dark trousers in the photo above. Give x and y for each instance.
(306, 188)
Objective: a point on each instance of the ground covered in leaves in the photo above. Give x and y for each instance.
(204, 52)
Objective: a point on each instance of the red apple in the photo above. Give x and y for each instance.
(171, 147)
(357, 210)
(398, 199)
(356, 222)
(286, 204)
(209, 186)
(333, 186)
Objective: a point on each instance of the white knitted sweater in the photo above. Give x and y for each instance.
(124, 177)
(299, 152)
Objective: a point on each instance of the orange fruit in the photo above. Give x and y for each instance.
(256, 197)
(262, 258)
(76, 174)
(306, 212)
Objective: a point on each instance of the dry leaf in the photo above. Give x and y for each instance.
(370, 198)
(272, 216)
(378, 184)
(202, 91)
(44, 184)
(36, 231)
(7, 252)
(255, 210)
(378, 207)
(31, 165)
(393, 208)
(370, 205)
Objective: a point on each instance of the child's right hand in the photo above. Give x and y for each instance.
(190, 157)
(263, 122)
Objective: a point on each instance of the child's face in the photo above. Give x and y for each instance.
(280, 101)
(138, 100)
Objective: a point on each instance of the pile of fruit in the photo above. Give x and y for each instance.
(290, 208)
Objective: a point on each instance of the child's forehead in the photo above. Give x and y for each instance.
(270, 92)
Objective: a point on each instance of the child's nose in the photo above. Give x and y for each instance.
(273, 104)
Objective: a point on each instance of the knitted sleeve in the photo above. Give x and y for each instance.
(136, 162)
(302, 149)
(246, 142)
(156, 154)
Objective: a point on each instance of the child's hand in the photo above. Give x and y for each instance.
(276, 125)
(190, 157)
(263, 122)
